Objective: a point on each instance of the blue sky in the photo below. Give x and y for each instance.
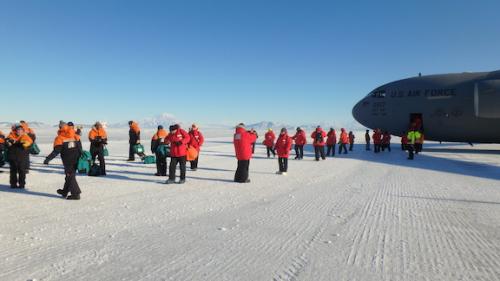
(228, 61)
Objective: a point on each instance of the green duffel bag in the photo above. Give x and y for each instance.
(34, 149)
(106, 152)
(5, 155)
(83, 165)
(163, 150)
(139, 149)
(150, 159)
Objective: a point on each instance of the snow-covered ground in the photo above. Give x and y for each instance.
(359, 216)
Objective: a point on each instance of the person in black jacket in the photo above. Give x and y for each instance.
(68, 143)
(18, 143)
(134, 134)
(98, 139)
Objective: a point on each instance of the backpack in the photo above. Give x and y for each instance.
(95, 170)
(192, 154)
(34, 149)
(319, 137)
(150, 159)
(163, 150)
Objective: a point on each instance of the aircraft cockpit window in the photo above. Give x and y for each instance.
(378, 94)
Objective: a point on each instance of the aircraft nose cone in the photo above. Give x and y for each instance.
(360, 112)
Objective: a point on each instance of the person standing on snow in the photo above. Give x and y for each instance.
(178, 140)
(331, 140)
(18, 143)
(300, 140)
(158, 139)
(242, 141)
(283, 147)
(386, 141)
(318, 137)
(98, 139)
(269, 138)
(351, 140)
(69, 145)
(344, 140)
(412, 136)
(367, 139)
(196, 141)
(377, 140)
(134, 135)
(253, 131)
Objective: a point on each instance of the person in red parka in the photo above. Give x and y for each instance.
(319, 143)
(386, 141)
(283, 147)
(269, 138)
(331, 140)
(377, 140)
(196, 141)
(300, 140)
(178, 140)
(242, 141)
(404, 141)
(344, 140)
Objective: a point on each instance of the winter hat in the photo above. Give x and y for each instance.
(241, 125)
(71, 124)
(283, 130)
(160, 127)
(298, 129)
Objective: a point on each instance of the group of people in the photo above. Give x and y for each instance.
(244, 143)
(181, 146)
(411, 141)
(381, 140)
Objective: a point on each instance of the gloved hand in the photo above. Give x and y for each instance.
(138, 142)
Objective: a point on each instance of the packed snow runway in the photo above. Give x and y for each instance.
(355, 217)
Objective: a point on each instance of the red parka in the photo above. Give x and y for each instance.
(283, 145)
(178, 143)
(344, 137)
(386, 139)
(321, 141)
(377, 137)
(300, 138)
(196, 140)
(331, 138)
(269, 139)
(243, 143)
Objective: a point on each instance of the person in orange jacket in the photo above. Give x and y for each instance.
(331, 140)
(31, 133)
(318, 137)
(283, 147)
(159, 138)
(2, 147)
(54, 152)
(178, 140)
(134, 134)
(18, 143)
(98, 139)
(344, 140)
(351, 140)
(70, 147)
(269, 138)
(196, 141)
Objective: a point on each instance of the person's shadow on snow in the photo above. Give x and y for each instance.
(6, 188)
